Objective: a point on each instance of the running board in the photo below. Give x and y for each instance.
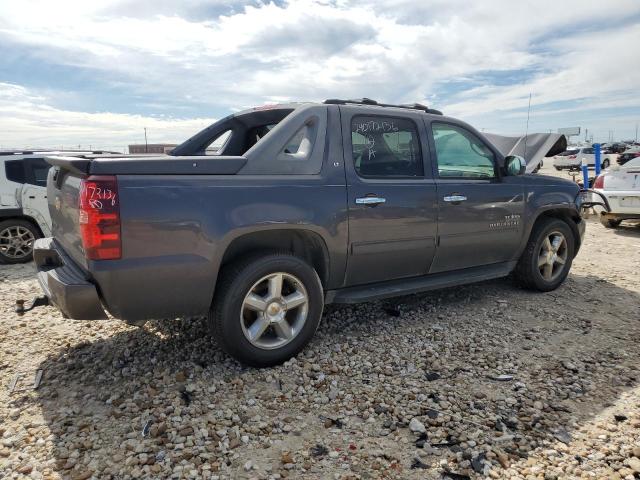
(408, 286)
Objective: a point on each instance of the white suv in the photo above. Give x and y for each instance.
(571, 159)
(24, 214)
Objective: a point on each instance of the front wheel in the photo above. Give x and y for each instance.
(547, 258)
(605, 164)
(266, 308)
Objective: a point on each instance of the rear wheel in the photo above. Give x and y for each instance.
(16, 240)
(547, 258)
(610, 222)
(266, 308)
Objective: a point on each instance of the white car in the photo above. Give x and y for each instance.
(24, 213)
(571, 159)
(621, 187)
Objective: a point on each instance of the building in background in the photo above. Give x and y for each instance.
(152, 147)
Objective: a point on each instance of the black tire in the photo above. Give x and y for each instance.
(605, 164)
(8, 253)
(236, 281)
(609, 222)
(527, 272)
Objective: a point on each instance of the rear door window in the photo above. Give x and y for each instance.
(386, 147)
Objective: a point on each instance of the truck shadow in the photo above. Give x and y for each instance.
(628, 229)
(138, 396)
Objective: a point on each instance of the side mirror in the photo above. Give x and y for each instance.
(515, 165)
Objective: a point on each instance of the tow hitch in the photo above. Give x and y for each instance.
(589, 202)
(37, 302)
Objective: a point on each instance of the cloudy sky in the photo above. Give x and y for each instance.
(97, 72)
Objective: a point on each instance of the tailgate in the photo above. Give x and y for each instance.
(63, 191)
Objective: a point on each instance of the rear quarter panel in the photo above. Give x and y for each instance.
(175, 230)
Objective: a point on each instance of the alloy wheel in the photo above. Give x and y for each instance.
(552, 256)
(274, 311)
(16, 242)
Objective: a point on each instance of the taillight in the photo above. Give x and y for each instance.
(100, 218)
(599, 182)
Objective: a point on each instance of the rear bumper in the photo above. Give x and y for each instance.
(623, 203)
(65, 284)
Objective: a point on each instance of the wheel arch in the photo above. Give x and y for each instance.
(25, 218)
(302, 243)
(562, 212)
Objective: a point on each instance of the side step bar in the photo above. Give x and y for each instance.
(408, 286)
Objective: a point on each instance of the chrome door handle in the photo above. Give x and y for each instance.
(454, 198)
(371, 201)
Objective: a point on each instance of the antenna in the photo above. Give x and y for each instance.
(526, 132)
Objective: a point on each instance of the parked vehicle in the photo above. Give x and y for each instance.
(629, 154)
(24, 213)
(571, 159)
(621, 187)
(301, 206)
(617, 147)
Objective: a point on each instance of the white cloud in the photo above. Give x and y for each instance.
(26, 120)
(221, 55)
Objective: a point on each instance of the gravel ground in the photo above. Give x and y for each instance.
(483, 380)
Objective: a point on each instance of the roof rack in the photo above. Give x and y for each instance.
(368, 101)
(16, 152)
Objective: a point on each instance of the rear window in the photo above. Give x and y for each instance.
(566, 153)
(633, 163)
(36, 170)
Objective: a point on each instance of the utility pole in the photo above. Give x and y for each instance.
(146, 145)
(636, 132)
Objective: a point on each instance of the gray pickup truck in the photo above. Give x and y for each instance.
(267, 215)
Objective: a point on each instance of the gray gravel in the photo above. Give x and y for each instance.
(484, 380)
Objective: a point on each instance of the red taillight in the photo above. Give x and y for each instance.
(100, 218)
(572, 156)
(599, 182)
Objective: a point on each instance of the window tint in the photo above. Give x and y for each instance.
(37, 170)
(587, 151)
(14, 170)
(461, 154)
(386, 147)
